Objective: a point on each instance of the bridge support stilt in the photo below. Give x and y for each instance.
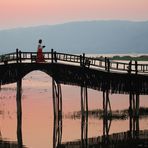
(106, 114)
(134, 114)
(57, 99)
(84, 100)
(84, 117)
(19, 113)
(57, 109)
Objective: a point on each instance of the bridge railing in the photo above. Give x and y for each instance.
(81, 60)
(33, 55)
(66, 57)
(103, 63)
(8, 57)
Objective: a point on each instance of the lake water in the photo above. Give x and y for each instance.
(37, 112)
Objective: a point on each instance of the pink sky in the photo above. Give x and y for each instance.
(22, 13)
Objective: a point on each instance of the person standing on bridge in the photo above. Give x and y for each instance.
(40, 56)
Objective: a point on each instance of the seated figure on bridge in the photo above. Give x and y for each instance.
(40, 56)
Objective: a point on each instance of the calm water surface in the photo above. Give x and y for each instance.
(37, 112)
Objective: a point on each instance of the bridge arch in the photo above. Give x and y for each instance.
(27, 68)
(29, 72)
(37, 76)
(40, 110)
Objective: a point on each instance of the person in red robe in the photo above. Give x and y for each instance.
(40, 56)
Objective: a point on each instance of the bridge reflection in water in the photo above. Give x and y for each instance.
(132, 138)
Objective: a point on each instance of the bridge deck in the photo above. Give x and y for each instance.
(93, 62)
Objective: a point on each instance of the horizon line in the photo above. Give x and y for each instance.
(69, 22)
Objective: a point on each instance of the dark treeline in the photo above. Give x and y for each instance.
(114, 115)
(131, 58)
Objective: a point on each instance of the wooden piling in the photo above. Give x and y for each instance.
(19, 113)
(20, 57)
(57, 99)
(51, 55)
(136, 67)
(17, 55)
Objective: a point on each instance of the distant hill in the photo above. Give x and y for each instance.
(78, 37)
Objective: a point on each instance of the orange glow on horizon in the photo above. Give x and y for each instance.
(36, 12)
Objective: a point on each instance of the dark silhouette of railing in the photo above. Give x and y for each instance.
(93, 62)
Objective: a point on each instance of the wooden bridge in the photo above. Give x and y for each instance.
(95, 73)
(87, 72)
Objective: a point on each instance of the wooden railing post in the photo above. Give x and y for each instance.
(51, 55)
(34, 58)
(117, 65)
(108, 65)
(31, 57)
(83, 59)
(130, 67)
(136, 67)
(17, 55)
(55, 56)
(105, 63)
(20, 57)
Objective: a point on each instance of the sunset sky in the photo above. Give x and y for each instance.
(24, 13)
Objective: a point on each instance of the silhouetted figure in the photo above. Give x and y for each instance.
(40, 56)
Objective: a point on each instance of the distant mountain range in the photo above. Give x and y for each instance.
(78, 37)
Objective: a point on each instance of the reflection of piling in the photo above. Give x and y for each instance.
(57, 132)
(134, 104)
(19, 113)
(106, 115)
(134, 114)
(84, 131)
(106, 103)
(84, 117)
